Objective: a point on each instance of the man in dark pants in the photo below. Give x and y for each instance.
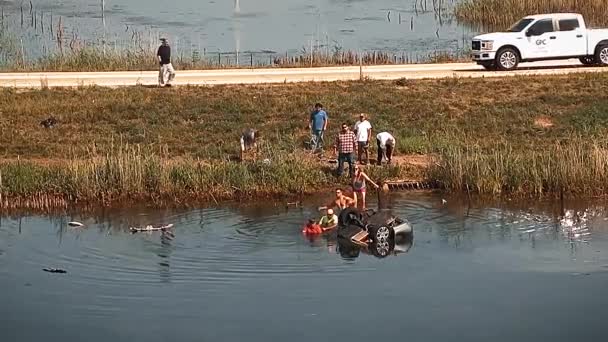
(166, 73)
(318, 125)
(386, 146)
(346, 146)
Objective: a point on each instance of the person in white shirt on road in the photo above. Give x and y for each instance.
(363, 130)
(386, 146)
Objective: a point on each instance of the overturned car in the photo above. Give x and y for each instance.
(379, 228)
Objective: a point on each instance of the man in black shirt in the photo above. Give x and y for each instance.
(166, 73)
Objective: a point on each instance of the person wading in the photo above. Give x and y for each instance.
(363, 129)
(360, 181)
(166, 74)
(346, 145)
(340, 202)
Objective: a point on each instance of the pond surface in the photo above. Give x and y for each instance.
(245, 25)
(479, 272)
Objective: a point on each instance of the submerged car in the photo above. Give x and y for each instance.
(378, 227)
(399, 245)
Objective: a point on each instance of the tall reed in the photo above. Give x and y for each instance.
(130, 173)
(578, 167)
(500, 14)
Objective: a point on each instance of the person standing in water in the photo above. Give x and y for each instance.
(360, 180)
(329, 221)
(341, 201)
(166, 73)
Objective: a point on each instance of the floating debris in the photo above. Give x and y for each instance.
(54, 270)
(75, 224)
(150, 228)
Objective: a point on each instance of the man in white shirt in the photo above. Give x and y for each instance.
(386, 146)
(363, 130)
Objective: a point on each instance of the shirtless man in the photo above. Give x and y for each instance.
(341, 201)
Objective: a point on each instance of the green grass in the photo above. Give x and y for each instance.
(178, 144)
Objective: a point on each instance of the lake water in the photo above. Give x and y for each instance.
(475, 272)
(281, 26)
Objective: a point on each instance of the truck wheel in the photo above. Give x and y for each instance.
(601, 55)
(507, 59)
(587, 60)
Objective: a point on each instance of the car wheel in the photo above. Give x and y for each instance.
(587, 60)
(601, 55)
(507, 59)
(381, 233)
(350, 216)
(382, 249)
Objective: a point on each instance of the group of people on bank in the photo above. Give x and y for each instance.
(350, 142)
(350, 145)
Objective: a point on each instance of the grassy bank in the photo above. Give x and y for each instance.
(526, 136)
(500, 14)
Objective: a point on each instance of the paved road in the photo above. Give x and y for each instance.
(280, 75)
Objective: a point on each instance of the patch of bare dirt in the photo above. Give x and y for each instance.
(421, 160)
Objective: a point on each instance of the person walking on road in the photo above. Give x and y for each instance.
(166, 73)
(345, 146)
(318, 125)
(363, 129)
(386, 146)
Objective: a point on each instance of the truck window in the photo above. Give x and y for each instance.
(568, 24)
(520, 25)
(541, 26)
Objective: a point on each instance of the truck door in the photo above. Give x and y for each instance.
(541, 40)
(571, 39)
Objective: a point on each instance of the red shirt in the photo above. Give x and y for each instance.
(312, 229)
(346, 142)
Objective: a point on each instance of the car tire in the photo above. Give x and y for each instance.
(382, 249)
(507, 59)
(601, 55)
(588, 60)
(380, 233)
(350, 216)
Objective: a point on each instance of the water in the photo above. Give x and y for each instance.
(270, 26)
(474, 273)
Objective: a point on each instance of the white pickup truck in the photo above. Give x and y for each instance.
(542, 37)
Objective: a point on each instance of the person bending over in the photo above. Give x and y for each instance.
(386, 147)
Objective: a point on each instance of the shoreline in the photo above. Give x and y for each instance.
(517, 137)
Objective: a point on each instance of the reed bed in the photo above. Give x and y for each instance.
(577, 167)
(500, 14)
(132, 174)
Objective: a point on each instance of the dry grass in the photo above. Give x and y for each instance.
(188, 135)
(500, 14)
